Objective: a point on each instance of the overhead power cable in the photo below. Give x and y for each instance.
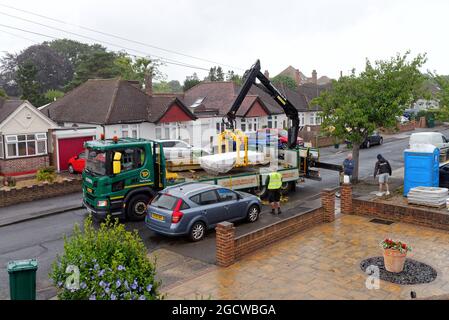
(120, 37)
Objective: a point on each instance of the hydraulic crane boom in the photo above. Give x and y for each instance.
(266, 85)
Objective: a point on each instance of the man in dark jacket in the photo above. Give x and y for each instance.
(348, 169)
(383, 170)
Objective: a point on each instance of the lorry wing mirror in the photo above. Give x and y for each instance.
(117, 163)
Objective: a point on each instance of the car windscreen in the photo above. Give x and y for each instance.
(164, 201)
(96, 162)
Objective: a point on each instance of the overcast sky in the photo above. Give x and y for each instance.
(329, 36)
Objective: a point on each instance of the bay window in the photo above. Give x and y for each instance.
(26, 145)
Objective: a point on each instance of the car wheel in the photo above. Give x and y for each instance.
(198, 231)
(253, 213)
(368, 144)
(71, 170)
(137, 207)
(381, 141)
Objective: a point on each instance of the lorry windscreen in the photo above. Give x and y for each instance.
(96, 162)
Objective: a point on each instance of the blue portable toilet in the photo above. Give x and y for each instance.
(421, 167)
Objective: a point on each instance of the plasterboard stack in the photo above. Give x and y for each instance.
(224, 162)
(428, 196)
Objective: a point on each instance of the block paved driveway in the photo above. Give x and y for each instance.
(323, 263)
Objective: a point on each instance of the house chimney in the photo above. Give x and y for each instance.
(314, 77)
(297, 77)
(266, 74)
(149, 83)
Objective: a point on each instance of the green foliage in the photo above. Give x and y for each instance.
(191, 81)
(281, 80)
(46, 174)
(175, 86)
(3, 93)
(53, 95)
(442, 113)
(215, 74)
(161, 87)
(112, 265)
(30, 87)
(232, 76)
(358, 104)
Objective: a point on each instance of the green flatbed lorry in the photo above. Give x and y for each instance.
(123, 175)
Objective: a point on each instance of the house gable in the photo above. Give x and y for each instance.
(26, 119)
(256, 110)
(175, 113)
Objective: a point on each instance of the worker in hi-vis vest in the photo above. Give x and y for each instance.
(274, 183)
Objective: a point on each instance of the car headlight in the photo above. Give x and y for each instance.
(102, 203)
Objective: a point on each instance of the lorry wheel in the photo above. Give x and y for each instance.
(137, 207)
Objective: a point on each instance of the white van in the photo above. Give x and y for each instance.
(434, 138)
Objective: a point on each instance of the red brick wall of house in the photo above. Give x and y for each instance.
(175, 114)
(256, 111)
(18, 166)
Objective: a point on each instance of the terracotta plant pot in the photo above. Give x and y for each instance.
(394, 260)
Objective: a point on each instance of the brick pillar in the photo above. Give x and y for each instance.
(225, 254)
(328, 203)
(346, 198)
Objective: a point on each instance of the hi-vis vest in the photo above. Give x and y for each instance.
(275, 181)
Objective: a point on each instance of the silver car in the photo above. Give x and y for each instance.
(191, 209)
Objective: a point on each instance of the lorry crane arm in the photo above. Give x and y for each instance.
(266, 85)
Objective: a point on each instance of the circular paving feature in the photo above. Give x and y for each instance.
(414, 272)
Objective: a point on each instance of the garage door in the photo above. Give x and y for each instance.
(68, 148)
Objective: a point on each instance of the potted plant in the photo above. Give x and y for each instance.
(395, 253)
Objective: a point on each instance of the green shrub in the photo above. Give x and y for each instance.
(112, 264)
(46, 174)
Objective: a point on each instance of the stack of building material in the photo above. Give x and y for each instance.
(428, 196)
(225, 162)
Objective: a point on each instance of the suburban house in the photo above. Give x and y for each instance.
(300, 78)
(24, 138)
(210, 101)
(115, 107)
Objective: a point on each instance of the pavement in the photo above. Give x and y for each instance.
(323, 263)
(39, 209)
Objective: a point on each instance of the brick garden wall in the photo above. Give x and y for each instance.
(23, 165)
(38, 192)
(231, 248)
(419, 216)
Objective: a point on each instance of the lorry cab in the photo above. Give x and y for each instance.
(121, 176)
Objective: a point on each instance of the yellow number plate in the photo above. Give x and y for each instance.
(157, 217)
(89, 190)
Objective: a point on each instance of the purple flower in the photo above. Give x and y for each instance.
(107, 290)
(101, 273)
(113, 297)
(92, 297)
(118, 283)
(142, 297)
(102, 284)
(126, 284)
(149, 287)
(134, 285)
(120, 268)
(96, 266)
(83, 285)
(60, 283)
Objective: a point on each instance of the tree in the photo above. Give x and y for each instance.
(96, 65)
(30, 87)
(3, 93)
(281, 80)
(215, 74)
(73, 50)
(175, 86)
(53, 69)
(161, 87)
(191, 81)
(232, 76)
(356, 105)
(442, 95)
(53, 95)
(8, 74)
